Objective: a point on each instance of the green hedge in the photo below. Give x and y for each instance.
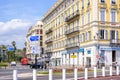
(3, 64)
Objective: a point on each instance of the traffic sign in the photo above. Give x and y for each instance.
(10, 48)
(97, 56)
(35, 50)
(73, 56)
(34, 38)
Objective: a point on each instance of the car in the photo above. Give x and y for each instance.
(13, 63)
(37, 65)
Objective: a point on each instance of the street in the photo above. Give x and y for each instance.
(25, 73)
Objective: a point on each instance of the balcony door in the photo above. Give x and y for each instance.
(113, 56)
(114, 36)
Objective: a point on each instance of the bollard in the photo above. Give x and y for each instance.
(110, 70)
(95, 72)
(14, 74)
(86, 73)
(34, 74)
(50, 74)
(75, 74)
(64, 74)
(117, 70)
(103, 71)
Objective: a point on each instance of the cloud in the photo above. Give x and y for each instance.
(14, 30)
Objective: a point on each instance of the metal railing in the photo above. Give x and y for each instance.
(48, 31)
(74, 14)
(114, 42)
(75, 29)
(75, 44)
(49, 40)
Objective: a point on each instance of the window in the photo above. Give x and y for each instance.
(88, 14)
(37, 31)
(88, 34)
(73, 24)
(113, 1)
(40, 37)
(40, 43)
(80, 38)
(82, 4)
(102, 1)
(102, 15)
(77, 22)
(40, 31)
(77, 37)
(68, 27)
(83, 37)
(73, 9)
(113, 16)
(103, 34)
(68, 12)
(82, 20)
(77, 5)
(113, 34)
(88, 2)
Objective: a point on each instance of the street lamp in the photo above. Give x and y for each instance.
(97, 47)
(14, 45)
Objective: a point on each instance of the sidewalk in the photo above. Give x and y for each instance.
(114, 77)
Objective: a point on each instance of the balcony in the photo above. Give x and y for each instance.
(73, 15)
(48, 31)
(73, 30)
(102, 5)
(115, 42)
(72, 45)
(114, 6)
(49, 40)
(48, 51)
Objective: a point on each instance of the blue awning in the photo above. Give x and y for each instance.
(74, 51)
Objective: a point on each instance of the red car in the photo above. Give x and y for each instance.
(24, 61)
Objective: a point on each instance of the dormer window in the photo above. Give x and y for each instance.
(113, 1)
(102, 1)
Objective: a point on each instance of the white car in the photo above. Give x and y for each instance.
(13, 63)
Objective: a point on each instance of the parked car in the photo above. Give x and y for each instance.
(37, 65)
(13, 63)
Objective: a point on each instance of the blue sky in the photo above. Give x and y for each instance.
(16, 16)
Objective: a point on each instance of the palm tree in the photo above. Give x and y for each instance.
(14, 45)
(24, 49)
(2, 50)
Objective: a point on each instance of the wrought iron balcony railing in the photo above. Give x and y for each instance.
(73, 15)
(48, 50)
(48, 31)
(49, 40)
(75, 29)
(114, 42)
(71, 45)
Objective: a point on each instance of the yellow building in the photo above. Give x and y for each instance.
(34, 46)
(82, 32)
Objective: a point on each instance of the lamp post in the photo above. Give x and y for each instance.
(97, 55)
(14, 45)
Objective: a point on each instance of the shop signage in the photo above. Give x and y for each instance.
(73, 56)
(110, 48)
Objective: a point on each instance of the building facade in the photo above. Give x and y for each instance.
(34, 43)
(82, 32)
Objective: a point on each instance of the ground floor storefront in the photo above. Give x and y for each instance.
(87, 56)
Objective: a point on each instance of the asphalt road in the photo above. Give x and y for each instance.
(25, 73)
